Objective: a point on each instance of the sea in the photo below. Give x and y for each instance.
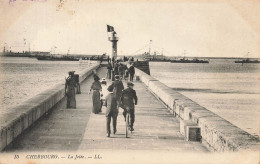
(228, 89)
(22, 78)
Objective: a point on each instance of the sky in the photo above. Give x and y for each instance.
(200, 29)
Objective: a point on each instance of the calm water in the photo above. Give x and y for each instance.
(23, 78)
(228, 89)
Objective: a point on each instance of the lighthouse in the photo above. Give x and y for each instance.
(114, 39)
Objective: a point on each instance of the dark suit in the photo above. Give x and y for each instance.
(109, 70)
(116, 69)
(129, 100)
(117, 90)
(131, 71)
(111, 111)
(121, 71)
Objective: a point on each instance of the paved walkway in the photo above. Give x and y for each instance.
(79, 129)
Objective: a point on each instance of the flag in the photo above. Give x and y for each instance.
(110, 28)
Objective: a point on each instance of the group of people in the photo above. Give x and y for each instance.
(120, 69)
(118, 96)
(130, 59)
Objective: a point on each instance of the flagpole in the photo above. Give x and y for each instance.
(108, 36)
(107, 32)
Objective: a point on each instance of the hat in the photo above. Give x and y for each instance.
(71, 72)
(116, 76)
(110, 88)
(96, 78)
(130, 84)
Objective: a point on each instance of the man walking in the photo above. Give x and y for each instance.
(109, 70)
(116, 68)
(131, 71)
(117, 87)
(121, 70)
(111, 111)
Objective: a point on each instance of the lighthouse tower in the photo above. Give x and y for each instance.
(114, 40)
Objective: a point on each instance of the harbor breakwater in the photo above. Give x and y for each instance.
(216, 133)
(21, 117)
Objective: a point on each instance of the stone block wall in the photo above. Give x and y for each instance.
(143, 66)
(24, 115)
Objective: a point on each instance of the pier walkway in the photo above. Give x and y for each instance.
(81, 130)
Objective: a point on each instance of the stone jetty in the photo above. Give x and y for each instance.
(165, 121)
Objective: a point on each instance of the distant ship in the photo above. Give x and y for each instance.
(183, 60)
(16, 54)
(53, 58)
(58, 58)
(247, 61)
(23, 53)
(194, 60)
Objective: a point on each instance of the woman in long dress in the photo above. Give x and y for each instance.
(70, 90)
(96, 87)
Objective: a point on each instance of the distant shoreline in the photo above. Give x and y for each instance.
(171, 57)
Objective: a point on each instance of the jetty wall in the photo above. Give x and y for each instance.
(217, 133)
(143, 66)
(24, 115)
